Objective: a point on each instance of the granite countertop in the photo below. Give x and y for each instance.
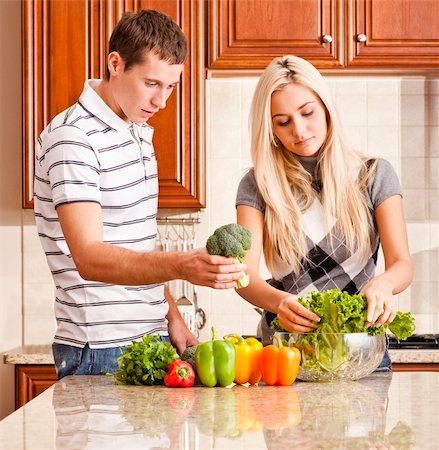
(29, 354)
(42, 354)
(386, 411)
(415, 356)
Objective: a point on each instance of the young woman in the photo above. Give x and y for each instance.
(316, 208)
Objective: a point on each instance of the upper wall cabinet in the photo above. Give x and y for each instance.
(331, 34)
(393, 33)
(65, 42)
(248, 34)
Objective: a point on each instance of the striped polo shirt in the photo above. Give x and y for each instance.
(89, 154)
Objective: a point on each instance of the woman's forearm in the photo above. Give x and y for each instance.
(261, 294)
(399, 275)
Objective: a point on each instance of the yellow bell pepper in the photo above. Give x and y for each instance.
(257, 347)
(247, 360)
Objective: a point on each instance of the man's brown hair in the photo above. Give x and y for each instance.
(147, 30)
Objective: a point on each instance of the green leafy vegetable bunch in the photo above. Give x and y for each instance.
(340, 312)
(233, 241)
(145, 362)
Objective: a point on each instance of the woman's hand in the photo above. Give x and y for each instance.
(381, 303)
(294, 317)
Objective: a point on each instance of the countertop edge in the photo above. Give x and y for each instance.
(414, 356)
(29, 354)
(42, 354)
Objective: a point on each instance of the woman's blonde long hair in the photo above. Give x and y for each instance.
(286, 186)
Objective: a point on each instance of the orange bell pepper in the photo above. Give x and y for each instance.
(279, 364)
(247, 359)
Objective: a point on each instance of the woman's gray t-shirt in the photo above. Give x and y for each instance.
(328, 267)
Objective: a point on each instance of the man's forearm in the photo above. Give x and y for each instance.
(173, 312)
(98, 260)
(116, 265)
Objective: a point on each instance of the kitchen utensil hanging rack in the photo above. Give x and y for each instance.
(179, 220)
(178, 233)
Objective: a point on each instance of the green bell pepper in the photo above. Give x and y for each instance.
(215, 362)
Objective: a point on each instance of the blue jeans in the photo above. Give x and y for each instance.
(386, 363)
(85, 361)
(71, 360)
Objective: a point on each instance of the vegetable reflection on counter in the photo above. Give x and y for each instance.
(215, 412)
(352, 417)
(278, 408)
(247, 420)
(222, 413)
(324, 417)
(239, 410)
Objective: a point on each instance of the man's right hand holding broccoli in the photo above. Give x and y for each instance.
(233, 241)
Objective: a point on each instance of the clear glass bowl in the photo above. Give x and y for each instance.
(336, 356)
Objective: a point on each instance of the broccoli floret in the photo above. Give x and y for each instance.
(233, 241)
(189, 356)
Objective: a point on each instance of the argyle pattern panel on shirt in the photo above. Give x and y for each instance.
(329, 266)
(323, 271)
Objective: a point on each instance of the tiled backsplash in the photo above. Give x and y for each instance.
(396, 118)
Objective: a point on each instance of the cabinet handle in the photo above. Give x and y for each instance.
(327, 38)
(361, 37)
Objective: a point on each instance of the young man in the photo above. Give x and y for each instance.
(96, 191)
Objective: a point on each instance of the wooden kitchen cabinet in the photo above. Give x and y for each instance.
(65, 42)
(415, 367)
(31, 380)
(248, 34)
(393, 33)
(331, 34)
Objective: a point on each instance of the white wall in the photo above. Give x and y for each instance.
(10, 195)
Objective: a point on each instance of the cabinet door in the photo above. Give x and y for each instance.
(248, 34)
(393, 33)
(31, 380)
(65, 42)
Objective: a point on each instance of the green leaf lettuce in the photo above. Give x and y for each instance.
(340, 312)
